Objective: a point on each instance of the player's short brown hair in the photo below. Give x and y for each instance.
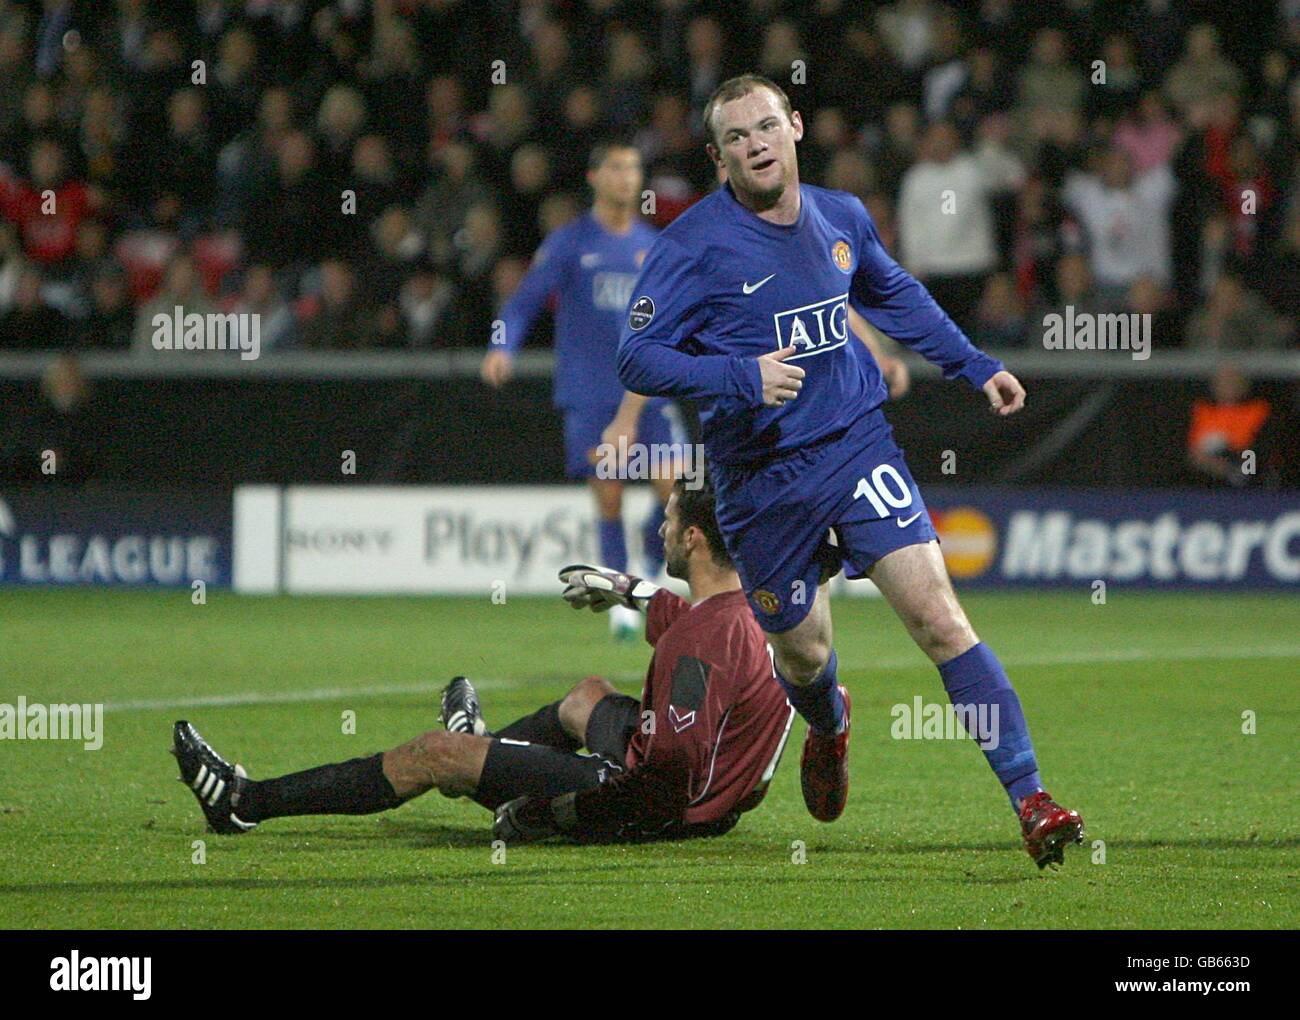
(735, 88)
(605, 146)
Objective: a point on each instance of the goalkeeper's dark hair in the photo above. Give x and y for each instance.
(696, 506)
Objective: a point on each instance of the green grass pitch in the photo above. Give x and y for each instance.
(1136, 708)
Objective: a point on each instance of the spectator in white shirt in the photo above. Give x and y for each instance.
(1126, 220)
(946, 229)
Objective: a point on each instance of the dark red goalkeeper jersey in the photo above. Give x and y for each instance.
(713, 722)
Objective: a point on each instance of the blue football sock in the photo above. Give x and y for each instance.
(976, 679)
(613, 545)
(652, 543)
(819, 702)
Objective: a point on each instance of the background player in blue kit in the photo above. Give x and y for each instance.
(743, 305)
(589, 267)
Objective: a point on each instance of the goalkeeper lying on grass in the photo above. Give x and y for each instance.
(695, 752)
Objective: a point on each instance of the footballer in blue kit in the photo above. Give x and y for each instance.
(588, 268)
(744, 306)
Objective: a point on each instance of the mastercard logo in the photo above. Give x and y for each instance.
(968, 540)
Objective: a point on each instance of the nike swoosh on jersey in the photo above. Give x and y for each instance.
(908, 520)
(750, 288)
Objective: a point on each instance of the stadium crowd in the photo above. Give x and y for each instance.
(378, 174)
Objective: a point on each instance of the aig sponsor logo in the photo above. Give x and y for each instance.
(612, 292)
(813, 329)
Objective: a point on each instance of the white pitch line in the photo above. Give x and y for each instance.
(430, 688)
(276, 697)
(495, 683)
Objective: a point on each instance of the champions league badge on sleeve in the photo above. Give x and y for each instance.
(643, 310)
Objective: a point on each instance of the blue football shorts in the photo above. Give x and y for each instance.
(660, 423)
(777, 517)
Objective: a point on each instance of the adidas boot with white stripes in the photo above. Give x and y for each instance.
(460, 708)
(211, 779)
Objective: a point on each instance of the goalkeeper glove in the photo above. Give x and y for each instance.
(601, 588)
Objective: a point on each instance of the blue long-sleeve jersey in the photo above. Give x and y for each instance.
(590, 272)
(722, 287)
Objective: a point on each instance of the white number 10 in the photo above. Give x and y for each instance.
(880, 490)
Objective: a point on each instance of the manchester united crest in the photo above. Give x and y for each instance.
(767, 602)
(843, 255)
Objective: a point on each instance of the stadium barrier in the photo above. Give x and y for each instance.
(1091, 420)
(489, 541)
(115, 537)
(504, 540)
(997, 537)
(513, 539)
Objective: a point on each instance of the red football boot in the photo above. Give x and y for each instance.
(1047, 827)
(824, 770)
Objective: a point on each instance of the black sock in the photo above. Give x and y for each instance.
(530, 770)
(355, 787)
(542, 727)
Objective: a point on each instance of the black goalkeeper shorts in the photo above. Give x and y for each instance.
(610, 726)
(516, 768)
